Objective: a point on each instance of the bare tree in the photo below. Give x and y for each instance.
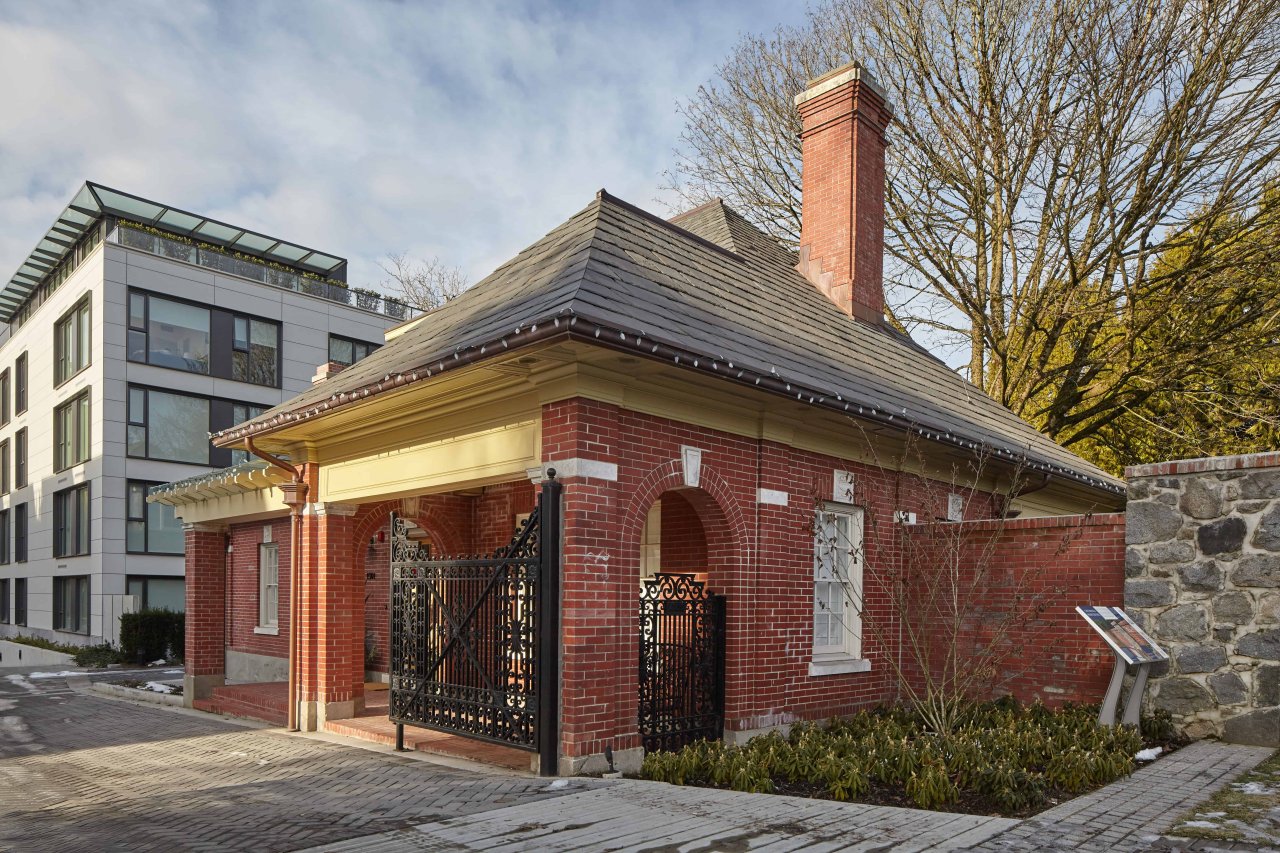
(953, 621)
(425, 285)
(1047, 153)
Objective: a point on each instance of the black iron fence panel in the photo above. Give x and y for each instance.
(464, 638)
(682, 629)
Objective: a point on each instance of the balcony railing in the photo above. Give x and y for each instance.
(203, 256)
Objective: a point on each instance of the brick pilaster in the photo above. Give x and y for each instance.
(332, 660)
(599, 619)
(206, 554)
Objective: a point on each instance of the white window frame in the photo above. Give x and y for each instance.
(838, 564)
(268, 587)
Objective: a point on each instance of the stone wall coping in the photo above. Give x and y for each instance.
(1245, 461)
(1038, 522)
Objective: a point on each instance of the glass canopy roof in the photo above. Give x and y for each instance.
(93, 201)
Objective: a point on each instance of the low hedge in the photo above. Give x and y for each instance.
(153, 635)
(1004, 757)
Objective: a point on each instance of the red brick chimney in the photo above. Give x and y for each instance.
(844, 115)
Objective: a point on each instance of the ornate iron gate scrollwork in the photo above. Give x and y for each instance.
(475, 640)
(681, 662)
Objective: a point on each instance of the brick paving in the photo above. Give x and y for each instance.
(79, 772)
(1131, 814)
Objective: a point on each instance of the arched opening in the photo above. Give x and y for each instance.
(686, 562)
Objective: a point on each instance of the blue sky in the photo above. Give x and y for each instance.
(460, 130)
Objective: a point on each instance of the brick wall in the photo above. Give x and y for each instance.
(242, 594)
(1020, 582)
(760, 555)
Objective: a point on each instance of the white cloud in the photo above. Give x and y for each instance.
(463, 129)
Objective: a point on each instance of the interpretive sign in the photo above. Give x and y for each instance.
(1123, 635)
(1132, 646)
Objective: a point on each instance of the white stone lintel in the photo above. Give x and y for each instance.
(576, 466)
(773, 497)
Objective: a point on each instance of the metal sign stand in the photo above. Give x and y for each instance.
(1107, 716)
(1131, 645)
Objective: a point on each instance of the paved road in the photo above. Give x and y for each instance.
(78, 772)
(82, 772)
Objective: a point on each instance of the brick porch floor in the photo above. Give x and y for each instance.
(268, 702)
(374, 725)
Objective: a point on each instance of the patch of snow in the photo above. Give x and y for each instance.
(172, 672)
(1211, 814)
(1252, 788)
(1148, 754)
(558, 785)
(1198, 824)
(160, 662)
(158, 687)
(62, 674)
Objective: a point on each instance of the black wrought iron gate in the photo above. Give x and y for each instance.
(681, 662)
(475, 640)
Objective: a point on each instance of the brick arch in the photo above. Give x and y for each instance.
(712, 499)
(724, 524)
(373, 517)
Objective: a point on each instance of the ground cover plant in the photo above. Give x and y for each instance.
(97, 656)
(1245, 810)
(1001, 757)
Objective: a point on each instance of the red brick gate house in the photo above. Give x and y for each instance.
(700, 390)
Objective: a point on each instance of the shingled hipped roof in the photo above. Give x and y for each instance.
(707, 291)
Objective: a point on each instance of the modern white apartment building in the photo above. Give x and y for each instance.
(131, 331)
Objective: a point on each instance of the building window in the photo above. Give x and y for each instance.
(4, 537)
(239, 414)
(172, 427)
(255, 351)
(4, 467)
(175, 427)
(268, 585)
(71, 432)
(20, 384)
(20, 601)
(71, 344)
(151, 528)
(20, 458)
(837, 582)
(158, 593)
(71, 604)
(348, 350)
(185, 336)
(20, 533)
(168, 333)
(5, 412)
(4, 601)
(71, 521)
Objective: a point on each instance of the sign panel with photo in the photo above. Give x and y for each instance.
(1129, 641)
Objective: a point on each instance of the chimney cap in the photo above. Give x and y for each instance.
(835, 79)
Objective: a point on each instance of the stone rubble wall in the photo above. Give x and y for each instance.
(1202, 575)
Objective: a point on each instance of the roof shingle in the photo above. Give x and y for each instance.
(713, 285)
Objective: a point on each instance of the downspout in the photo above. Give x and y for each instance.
(295, 495)
(1016, 493)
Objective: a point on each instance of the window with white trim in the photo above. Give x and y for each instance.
(268, 585)
(837, 582)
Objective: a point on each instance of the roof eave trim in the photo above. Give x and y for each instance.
(580, 327)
